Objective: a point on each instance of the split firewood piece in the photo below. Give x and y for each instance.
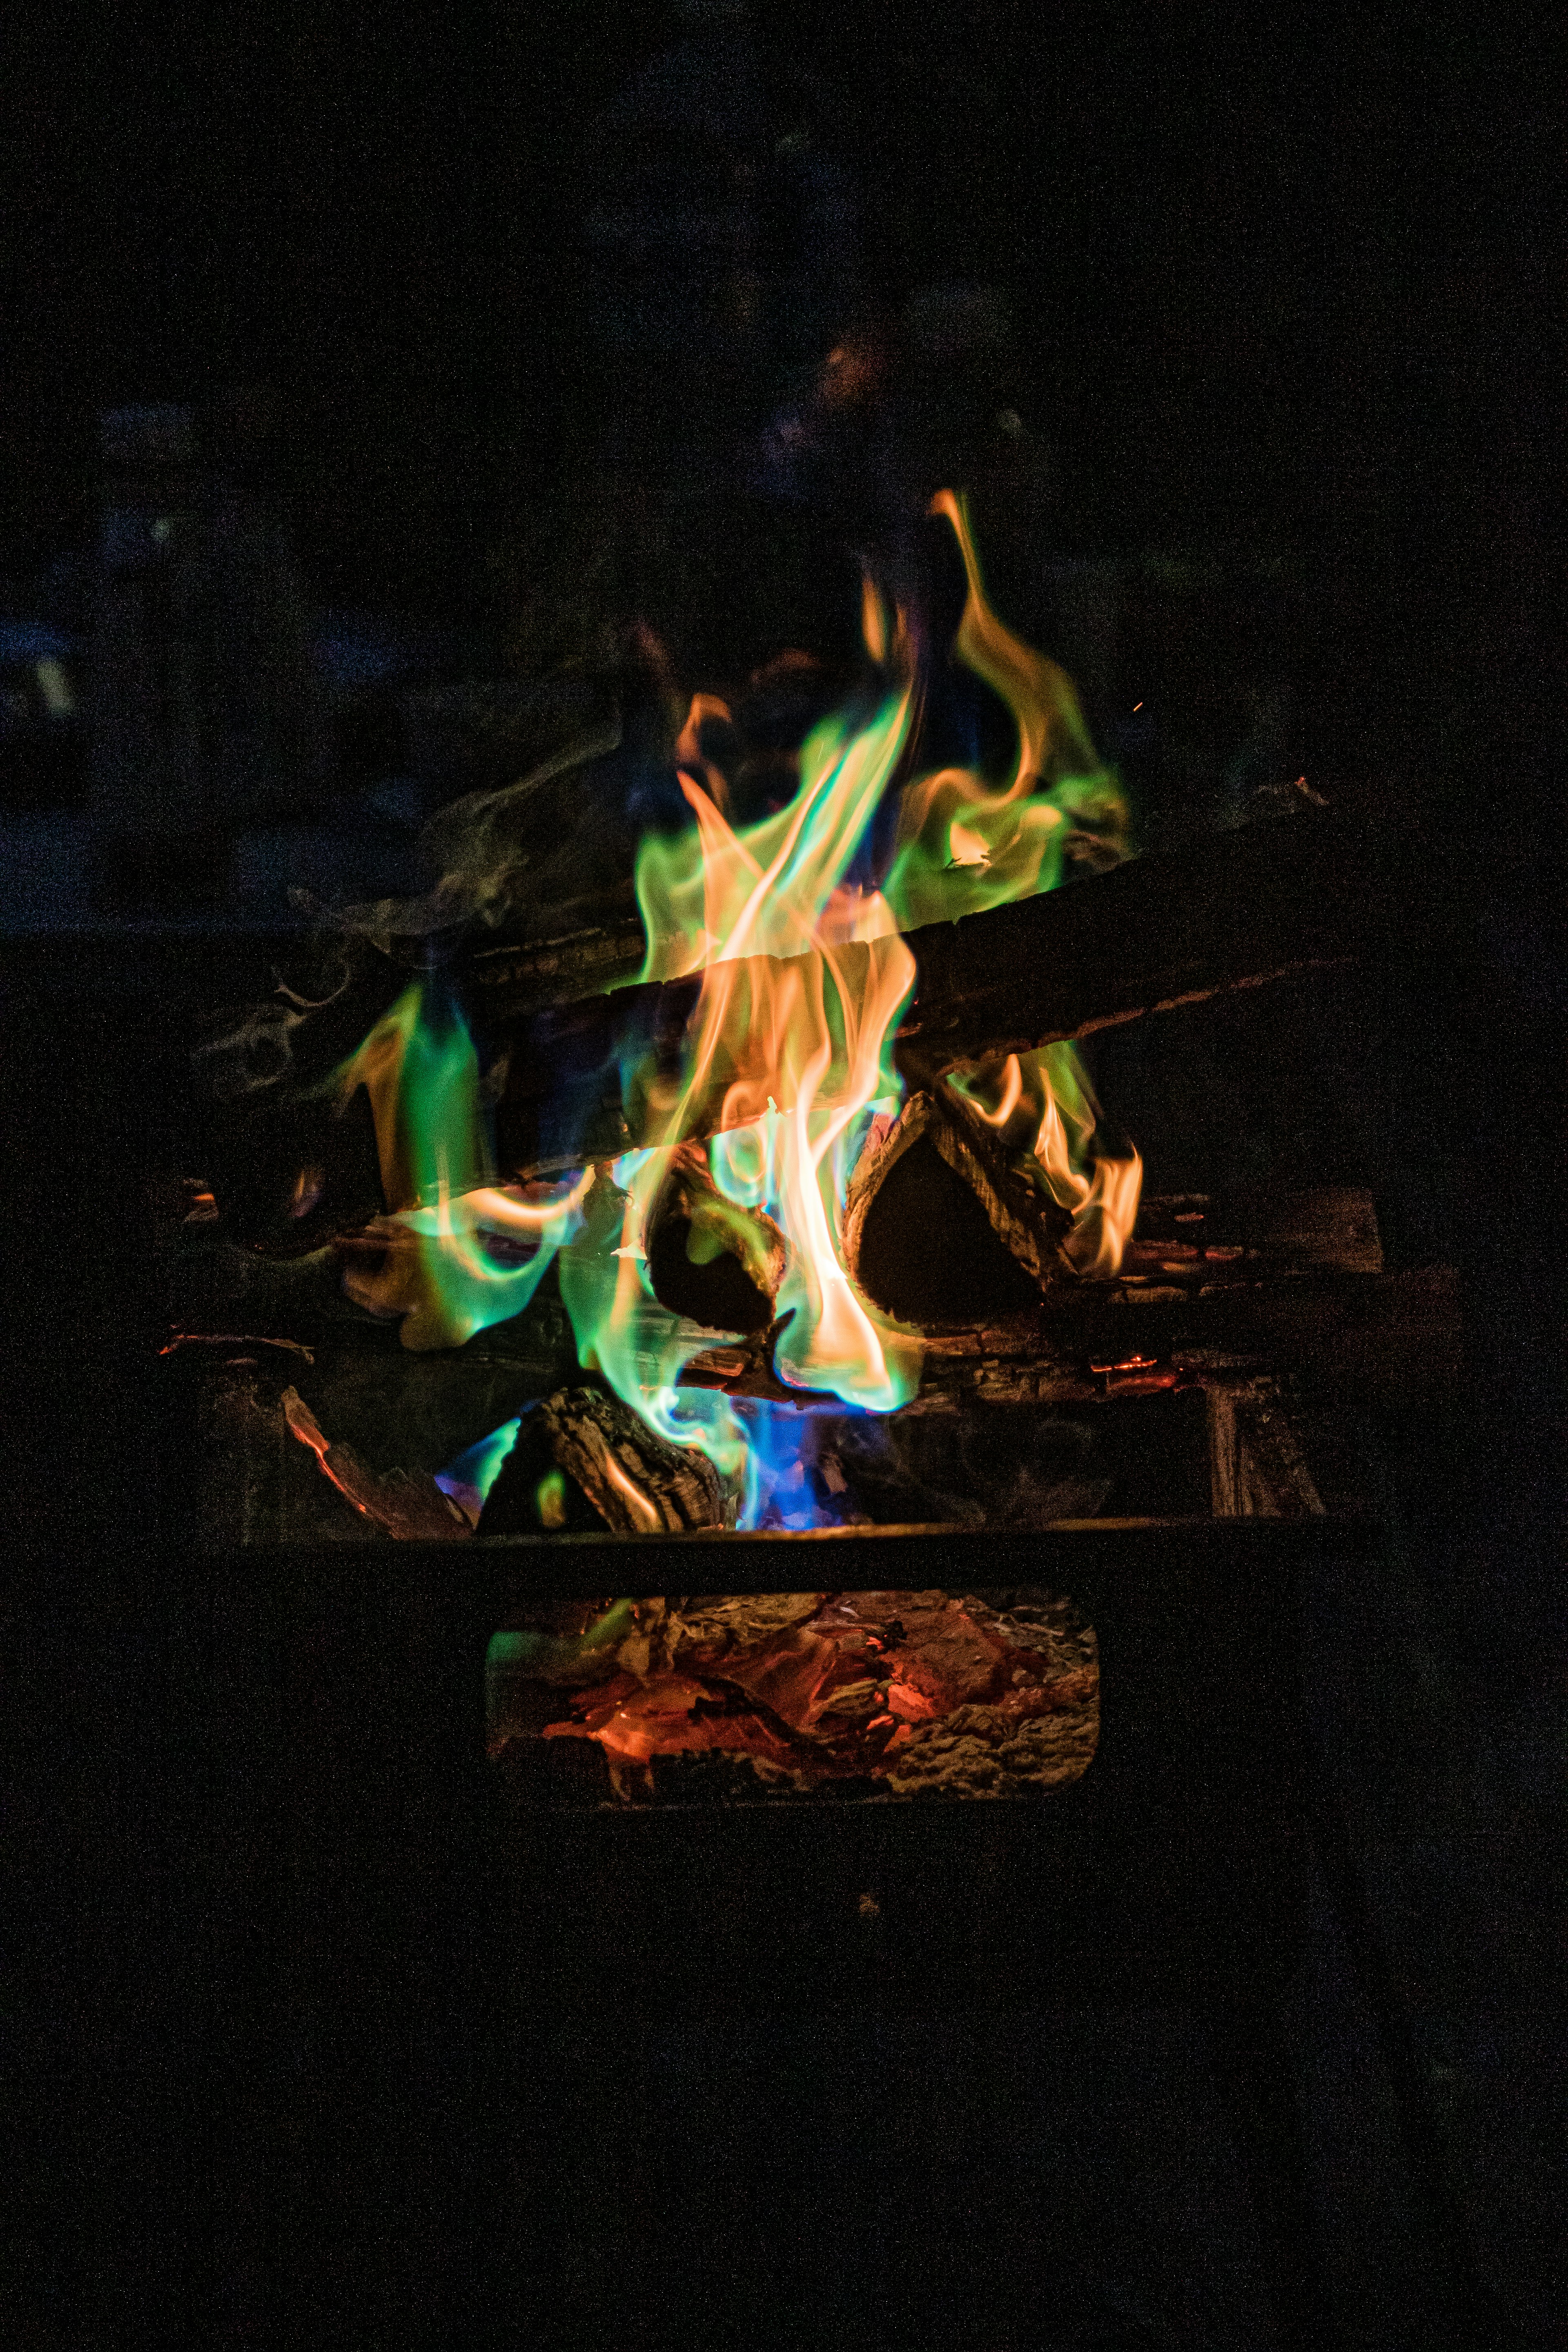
(408, 1503)
(941, 1229)
(708, 1258)
(639, 1484)
(1257, 1467)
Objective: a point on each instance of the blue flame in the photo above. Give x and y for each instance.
(469, 1476)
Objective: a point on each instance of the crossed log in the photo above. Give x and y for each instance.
(1234, 911)
(1231, 912)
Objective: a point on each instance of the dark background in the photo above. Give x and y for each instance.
(1283, 272)
(1279, 293)
(1283, 290)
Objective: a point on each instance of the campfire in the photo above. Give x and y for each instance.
(764, 1129)
(804, 1163)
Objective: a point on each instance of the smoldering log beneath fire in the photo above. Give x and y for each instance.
(1090, 1401)
(887, 1694)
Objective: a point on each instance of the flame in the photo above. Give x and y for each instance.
(767, 916)
(794, 925)
(456, 1252)
(688, 745)
(1101, 1190)
(1043, 1109)
(963, 845)
(468, 1480)
(873, 621)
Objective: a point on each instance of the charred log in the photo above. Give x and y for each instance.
(636, 1482)
(1237, 1236)
(1257, 1467)
(1216, 1241)
(938, 1230)
(1380, 1339)
(1384, 1339)
(599, 945)
(409, 1506)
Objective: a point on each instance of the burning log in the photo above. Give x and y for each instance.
(410, 1507)
(1236, 911)
(999, 1235)
(1386, 1339)
(636, 1482)
(933, 1172)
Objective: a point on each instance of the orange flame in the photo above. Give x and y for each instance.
(1043, 1108)
(965, 844)
(804, 973)
(689, 746)
(803, 980)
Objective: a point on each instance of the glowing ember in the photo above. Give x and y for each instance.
(797, 1034)
(913, 1690)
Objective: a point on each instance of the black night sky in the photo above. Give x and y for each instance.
(1286, 271)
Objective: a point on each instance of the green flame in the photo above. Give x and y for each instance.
(450, 1260)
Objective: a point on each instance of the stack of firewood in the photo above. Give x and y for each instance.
(943, 1232)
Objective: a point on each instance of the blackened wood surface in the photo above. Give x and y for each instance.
(1236, 909)
(1258, 1469)
(1381, 1339)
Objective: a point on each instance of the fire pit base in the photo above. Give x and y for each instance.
(1171, 1860)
